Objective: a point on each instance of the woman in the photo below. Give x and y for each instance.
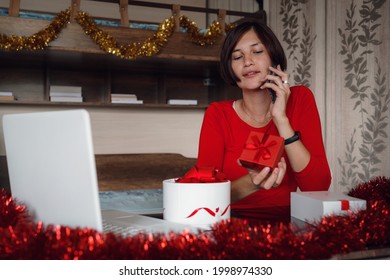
(253, 59)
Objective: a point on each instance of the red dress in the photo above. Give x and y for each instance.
(223, 135)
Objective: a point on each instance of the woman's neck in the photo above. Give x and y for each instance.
(257, 104)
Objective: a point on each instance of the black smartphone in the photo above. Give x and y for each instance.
(271, 91)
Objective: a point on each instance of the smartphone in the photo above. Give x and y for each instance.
(270, 90)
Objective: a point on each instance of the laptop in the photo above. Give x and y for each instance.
(52, 171)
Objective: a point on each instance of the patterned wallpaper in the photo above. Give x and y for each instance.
(298, 38)
(366, 86)
(341, 50)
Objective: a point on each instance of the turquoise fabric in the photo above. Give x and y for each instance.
(101, 22)
(132, 200)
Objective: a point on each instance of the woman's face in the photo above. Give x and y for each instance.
(250, 61)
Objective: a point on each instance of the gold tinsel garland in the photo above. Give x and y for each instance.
(107, 43)
(151, 46)
(39, 40)
(211, 35)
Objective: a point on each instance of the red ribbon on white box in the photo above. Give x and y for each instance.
(203, 175)
(208, 210)
(344, 205)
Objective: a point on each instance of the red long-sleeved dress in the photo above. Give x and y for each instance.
(223, 136)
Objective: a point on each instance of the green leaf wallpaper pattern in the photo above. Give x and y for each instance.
(358, 39)
(299, 40)
(359, 36)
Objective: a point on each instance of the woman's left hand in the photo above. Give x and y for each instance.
(267, 178)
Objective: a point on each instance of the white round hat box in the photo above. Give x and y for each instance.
(197, 204)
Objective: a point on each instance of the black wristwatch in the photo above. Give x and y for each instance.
(292, 139)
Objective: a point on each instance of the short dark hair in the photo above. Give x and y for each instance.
(267, 37)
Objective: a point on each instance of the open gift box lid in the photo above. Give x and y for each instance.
(311, 206)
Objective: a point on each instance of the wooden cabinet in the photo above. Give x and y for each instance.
(154, 80)
(182, 70)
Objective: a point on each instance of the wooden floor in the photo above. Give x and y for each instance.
(139, 171)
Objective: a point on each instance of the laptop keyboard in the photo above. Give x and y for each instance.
(122, 230)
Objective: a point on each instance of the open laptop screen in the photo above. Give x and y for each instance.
(51, 166)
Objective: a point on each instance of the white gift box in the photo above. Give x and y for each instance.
(198, 204)
(311, 206)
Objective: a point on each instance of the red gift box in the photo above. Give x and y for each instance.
(261, 150)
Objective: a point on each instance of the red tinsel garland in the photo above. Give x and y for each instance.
(20, 238)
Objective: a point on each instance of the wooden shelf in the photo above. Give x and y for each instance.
(102, 105)
(73, 39)
(177, 72)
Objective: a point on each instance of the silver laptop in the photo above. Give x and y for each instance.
(52, 170)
